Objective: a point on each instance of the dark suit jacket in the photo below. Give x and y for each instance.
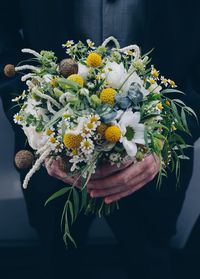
(171, 27)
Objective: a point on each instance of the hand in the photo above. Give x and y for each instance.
(126, 181)
(56, 170)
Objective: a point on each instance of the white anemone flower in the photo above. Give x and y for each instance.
(132, 132)
(83, 71)
(115, 74)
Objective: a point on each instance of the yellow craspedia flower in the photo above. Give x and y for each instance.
(113, 134)
(107, 96)
(94, 60)
(101, 129)
(72, 141)
(76, 78)
(167, 103)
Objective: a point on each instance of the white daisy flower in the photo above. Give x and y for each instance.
(164, 81)
(18, 118)
(68, 44)
(132, 132)
(90, 44)
(87, 146)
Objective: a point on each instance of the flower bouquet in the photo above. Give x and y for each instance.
(98, 106)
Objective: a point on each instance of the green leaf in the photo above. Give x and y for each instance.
(183, 157)
(76, 203)
(184, 120)
(71, 211)
(172, 91)
(192, 112)
(59, 193)
(67, 235)
(56, 117)
(65, 83)
(84, 197)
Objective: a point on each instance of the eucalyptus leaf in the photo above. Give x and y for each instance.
(59, 193)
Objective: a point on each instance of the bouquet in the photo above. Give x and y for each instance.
(98, 106)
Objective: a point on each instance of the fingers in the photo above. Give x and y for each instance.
(108, 169)
(118, 196)
(146, 171)
(133, 183)
(55, 170)
(123, 177)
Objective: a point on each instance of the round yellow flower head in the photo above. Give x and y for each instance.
(72, 141)
(101, 129)
(94, 60)
(113, 134)
(107, 96)
(76, 78)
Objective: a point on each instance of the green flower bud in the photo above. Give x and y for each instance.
(95, 100)
(84, 92)
(57, 92)
(139, 155)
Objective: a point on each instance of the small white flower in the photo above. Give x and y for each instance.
(114, 157)
(18, 118)
(68, 44)
(132, 132)
(87, 146)
(164, 81)
(90, 44)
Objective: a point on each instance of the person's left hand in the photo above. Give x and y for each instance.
(126, 181)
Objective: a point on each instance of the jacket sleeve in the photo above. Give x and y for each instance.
(11, 43)
(192, 99)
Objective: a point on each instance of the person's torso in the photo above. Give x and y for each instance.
(162, 25)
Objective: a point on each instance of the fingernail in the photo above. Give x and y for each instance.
(91, 194)
(107, 201)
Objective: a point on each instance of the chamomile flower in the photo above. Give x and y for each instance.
(155, 74)
(50, 132)
(59, 147)
(18, 118)
(87, 146)
(164, 81)
(114, 157)
(172, 83)
(68, 44)
(90, 44)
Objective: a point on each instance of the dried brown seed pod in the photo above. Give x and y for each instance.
(9, 70)
(24, 159)
(68, 67)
